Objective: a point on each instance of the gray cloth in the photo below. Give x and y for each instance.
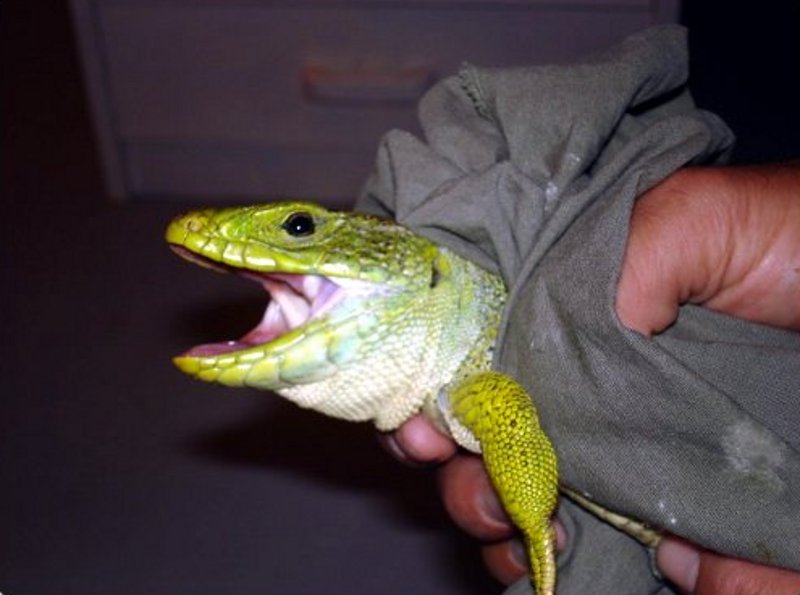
(532, 172)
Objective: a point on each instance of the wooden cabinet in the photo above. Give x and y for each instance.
(227, 101)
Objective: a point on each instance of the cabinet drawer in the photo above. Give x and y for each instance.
(187, 83)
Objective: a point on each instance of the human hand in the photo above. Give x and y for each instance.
(468, 495)
(725, 238)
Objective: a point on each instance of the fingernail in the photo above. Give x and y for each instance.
(679, 562)
(389, 443)
(561, 535)
(518, 552)
(494, 509)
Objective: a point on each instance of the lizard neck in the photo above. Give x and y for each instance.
(471, 335)
(418, 344)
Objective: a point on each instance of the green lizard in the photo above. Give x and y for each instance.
(369, 321)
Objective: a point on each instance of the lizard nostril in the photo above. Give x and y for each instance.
(194, 225)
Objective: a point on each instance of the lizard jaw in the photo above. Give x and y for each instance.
(295, 299)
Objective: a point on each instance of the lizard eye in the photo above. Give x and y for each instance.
(299, 224)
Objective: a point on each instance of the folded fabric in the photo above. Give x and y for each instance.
(532, 173)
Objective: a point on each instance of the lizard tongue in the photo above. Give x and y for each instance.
(294, 300)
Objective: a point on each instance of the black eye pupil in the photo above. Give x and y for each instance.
(299, 224)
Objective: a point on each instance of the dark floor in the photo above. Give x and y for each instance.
(119, 475)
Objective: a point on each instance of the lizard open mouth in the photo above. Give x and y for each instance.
(295, 299)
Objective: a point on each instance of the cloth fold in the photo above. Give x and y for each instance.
(532, 173)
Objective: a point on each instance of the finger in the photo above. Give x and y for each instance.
(506, 560)
(642, 305)
(471, 500)
(657, 259)
(418, 441)
(702, 572)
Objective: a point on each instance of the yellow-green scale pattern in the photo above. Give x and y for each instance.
(520, 460)
(424, 324)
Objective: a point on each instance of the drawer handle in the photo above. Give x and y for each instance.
(364, 87)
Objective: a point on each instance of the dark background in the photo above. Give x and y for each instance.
(117, 474)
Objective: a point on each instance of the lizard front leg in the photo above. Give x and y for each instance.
(520, 461)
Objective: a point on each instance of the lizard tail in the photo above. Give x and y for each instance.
(541, 545)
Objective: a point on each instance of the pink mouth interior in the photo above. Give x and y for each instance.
(294, 300)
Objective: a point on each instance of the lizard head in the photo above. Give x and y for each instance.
(339, 284)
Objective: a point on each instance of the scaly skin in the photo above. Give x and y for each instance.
(413, 330)
(519, 458)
